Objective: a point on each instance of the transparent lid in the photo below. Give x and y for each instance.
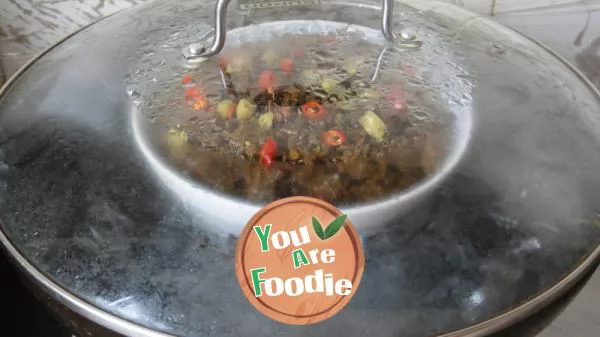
(465, 153)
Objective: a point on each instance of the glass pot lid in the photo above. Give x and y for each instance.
(465, 153)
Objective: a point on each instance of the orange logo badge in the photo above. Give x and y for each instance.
(299, 260)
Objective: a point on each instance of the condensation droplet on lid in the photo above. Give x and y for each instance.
(523, 193)
(196, 49)
(408, 34)
(497, 49)
(133, 93)
(421, 115)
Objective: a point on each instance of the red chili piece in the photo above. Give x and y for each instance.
(230, 111)
(187, 79)
(287, 66)
(193, 93)
(268, 152)
(313, 110)
(334, 138)
(267, 80)
(398, 98)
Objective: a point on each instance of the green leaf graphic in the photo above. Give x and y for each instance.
(335, 226)
(318, 229)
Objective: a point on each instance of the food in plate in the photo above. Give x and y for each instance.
(263, 123)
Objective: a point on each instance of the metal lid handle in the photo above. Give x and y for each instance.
(195, 50)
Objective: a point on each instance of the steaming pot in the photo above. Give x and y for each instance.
(106, 224)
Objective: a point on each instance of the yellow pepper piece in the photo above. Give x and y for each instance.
(294, 154)
(350, 66)
(177, 138)
(238, 64)
(373, 125)
(270, 59)
(225, 109)
(266, 120)
(328, 84)
(245, 109)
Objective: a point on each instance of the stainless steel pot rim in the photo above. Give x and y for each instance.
(127, 328)
(188, 189)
